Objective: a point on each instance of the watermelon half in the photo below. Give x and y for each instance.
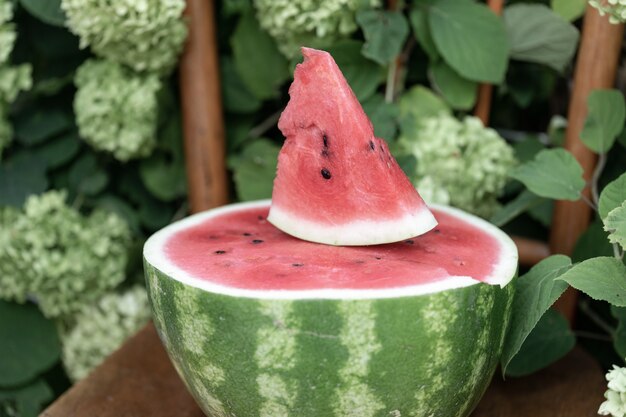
(336, 183)
(261, 324)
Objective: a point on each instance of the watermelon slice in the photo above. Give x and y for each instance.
(336, 183)
(261, 324)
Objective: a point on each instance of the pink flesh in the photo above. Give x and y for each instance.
(282, 262)
(323, 108)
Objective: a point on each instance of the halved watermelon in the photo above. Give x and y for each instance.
(261, 324)
(336, 183)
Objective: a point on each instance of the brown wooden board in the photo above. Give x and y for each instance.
(139, 380)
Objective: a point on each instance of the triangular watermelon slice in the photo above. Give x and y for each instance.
(336, 182)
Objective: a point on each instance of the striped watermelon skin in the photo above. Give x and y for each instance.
(427, 356)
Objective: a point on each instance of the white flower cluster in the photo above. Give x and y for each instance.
(615, 9)
(57, 256)
(296, 23)
(97, 330)
(615, 404)
(13, 79)
(116, 109)
(145, 35)
(459, 162)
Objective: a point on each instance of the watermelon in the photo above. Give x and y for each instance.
(336, 183)
(261, 324)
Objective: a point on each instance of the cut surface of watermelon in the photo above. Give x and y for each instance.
(236, 251)
(336, 183)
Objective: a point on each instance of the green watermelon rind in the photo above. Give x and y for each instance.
(417, 354)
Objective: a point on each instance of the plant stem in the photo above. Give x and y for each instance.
(591, 335)
(265, 125)
(584, 307)
(390, 88)
(596, 177)
(589, 202)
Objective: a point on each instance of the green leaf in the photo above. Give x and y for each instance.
(553, 173)
(569, 9)
(605, 119)
(48, 11)
(118, 206)
(21, 176)
(86, 176)
(260, 65)
(458, 92)
(32, 127)
(524, 201)
(526, 149)
(543, 212)
(164, 178)
(615, 224)
(155, 214)
(385, 32)
(537, 34)
(471, 39)
(30, 344)
(592, 243)
(420, 102)
(536, 291)
(612, 196)
(419, 23)
(619, 338)
(255, 169)
(602, 278)
(383, 116)
(28, 400)
(362, 74)
(237, 97)
(58, 151)
(548, 342)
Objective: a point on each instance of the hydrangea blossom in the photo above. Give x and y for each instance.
(146, 35)
(57, 256)
(615, 404)
(97, 330)
(467, 161)
(294, 23)
(116, 109)
(616, 9)
(13, 79)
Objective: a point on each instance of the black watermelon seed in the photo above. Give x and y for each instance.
(437, 231)
(219, 252)
(257, 241)
(297, 265)
(410, 241)
(372, 146)
(325, 140)
(325, 173)
(213, 237)
(247, 234)
(378, 257)
(261, 218)
(325, 153)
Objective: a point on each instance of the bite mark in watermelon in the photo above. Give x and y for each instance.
(336, 182)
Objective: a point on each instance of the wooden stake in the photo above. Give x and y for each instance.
(485, 91)
(596, 68)
(201, 102)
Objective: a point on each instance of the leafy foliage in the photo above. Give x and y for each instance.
(605, 119)
(385, 33)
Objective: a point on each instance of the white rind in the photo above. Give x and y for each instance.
(154, 254)
(357, 233)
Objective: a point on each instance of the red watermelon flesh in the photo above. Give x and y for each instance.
(336, 182)
(238, 249)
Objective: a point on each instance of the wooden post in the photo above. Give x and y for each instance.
(485, 91)
(201, 102)
(596, 67)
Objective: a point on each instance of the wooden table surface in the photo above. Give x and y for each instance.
(139, 381)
